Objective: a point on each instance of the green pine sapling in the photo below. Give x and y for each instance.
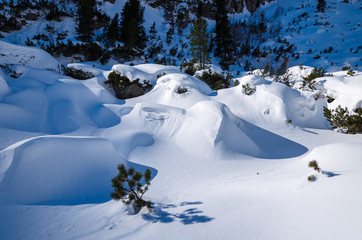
(128, 187)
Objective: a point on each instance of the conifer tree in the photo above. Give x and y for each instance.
(112, 33)
(223, 40)
(133, 33)
(155, 45)
(321, 6)
(86, 12)
(199, 42)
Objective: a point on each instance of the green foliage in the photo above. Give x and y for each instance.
(133, 33)
(215, 80)
(223, 40)
(112, 32)
(321, 6)
(309, 81)
(346, 68)
(181, 90)
(351, 72)
(341, 119)
(312, 178)
(314, 164)
(199, 42)
(85, 19)
(129, 189)
(248, 89)
(76, 73)
(124, 88)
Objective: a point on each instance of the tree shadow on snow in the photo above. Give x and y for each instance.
(331, 174)
(189, 216)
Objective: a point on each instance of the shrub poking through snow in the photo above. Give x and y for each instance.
(309, 81)
(346, 68)
(351, 72)
(341, 119)
(314, 164)
(248, 89)
(312, 178)
(77, 73)
(124, 88)
(181, 90)
(215, 80)
(129, 189)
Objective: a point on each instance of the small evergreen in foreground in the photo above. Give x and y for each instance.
(314, 164)
(129, 189)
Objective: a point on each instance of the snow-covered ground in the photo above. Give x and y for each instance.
(224, 164)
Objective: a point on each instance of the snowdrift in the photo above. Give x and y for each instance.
(27, 56)
(58, 170)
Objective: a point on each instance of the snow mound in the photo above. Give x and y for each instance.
(332, 157)
(52, 106)
(27, 56)
(4, 88)
(133, 73)
(85, 68)
(175, 80)
(272, 103)
(157, 69)
(58, 170)
(346, 90)
(218, 132)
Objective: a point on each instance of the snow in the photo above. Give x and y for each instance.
(26, 56)
(224, 164)
(4, 88)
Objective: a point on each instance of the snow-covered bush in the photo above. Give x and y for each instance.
(341, 119)
(125, 88)
(128, 187)
(77, 73)
(215, 80)
(248, 89)
(309, 81)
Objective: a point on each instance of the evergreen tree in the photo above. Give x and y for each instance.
(199, 42)
(133, 33)
(86, 12)
(223, 40)
(112, 34)
(155, 45)
(321, 6)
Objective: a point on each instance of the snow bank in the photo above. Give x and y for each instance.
(26, 56)
(58, 170)
(133, 73)
(4, 88)
(272, 103)
(85, 68)
(157, 69)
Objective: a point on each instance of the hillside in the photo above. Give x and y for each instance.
(229, 151)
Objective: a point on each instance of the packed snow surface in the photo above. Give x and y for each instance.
(224, 164)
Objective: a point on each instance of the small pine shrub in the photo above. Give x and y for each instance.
(248, 89)
(341, 119)
(351, 72)
(76, 73)
(312, 178)
(346, 68)
(309, 81)
(124, 88)
(215, 80)
(289, 121)
(129, 189)
(181, 90)
(314, 164)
